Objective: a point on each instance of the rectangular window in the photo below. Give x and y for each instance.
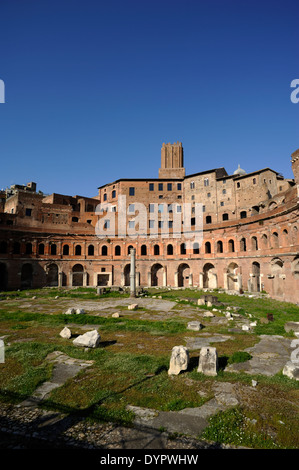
(113, 194)
(204, 208)
(28, 212)
(169, 208)
(131, 223)
(169, 186)
(160, 207)
(131, 191)
(105, 197)
(151, 187)
(151, 223)
(221, 203)
(160, 186)
(179, 186)
(160, 223)
(238, 185)
(224, 191)
(170, 224)
(151, 207)
(192, 185)
(107, 224)
(179, 209)
(131, 207)
(113, 209)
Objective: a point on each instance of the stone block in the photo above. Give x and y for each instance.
(194, 325)
(91, 339)
(208, 361)
(65, 333)
(179, 360)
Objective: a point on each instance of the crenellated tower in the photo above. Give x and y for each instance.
(172, 161)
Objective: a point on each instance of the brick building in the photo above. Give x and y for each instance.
(249, 238)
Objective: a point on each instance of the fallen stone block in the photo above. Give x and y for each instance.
(291, 326)
(194, 325)
(115, 315)
(91, 339)
(132, 307)
(80, 310)
(65, 333)
(70, 311)
(291, 370)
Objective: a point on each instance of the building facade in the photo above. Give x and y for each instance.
(249, 233)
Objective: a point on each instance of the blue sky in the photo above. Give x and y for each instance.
(94, 88)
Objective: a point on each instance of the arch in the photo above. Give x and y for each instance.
(196, 248)
(127, 269)
(254, 243)
(232, 276)
(41, 249)
(255, 210)
(143, 250)
(255, 278)
(3, 247)
(243, 244)
(157, 272)
(275, 240)
(129, 249)
(156, 250)
(183, 249)
(294, 235)
(53, 249)
(219, 246)
(66, 250)
(26, 276)
(231, 246)
(90, 250)
(3, 277)
(183, 275)
(295, 267)
(78, 250)
(77, 271)
(264, 240)
(208, 247)
(117, 250)
(243, 214)
(209, 276)
(52, 275)
(272, 206)
(170, 249)
(277, 282)
(104, 250)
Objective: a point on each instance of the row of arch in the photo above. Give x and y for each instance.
(157, 275)
(245, 243)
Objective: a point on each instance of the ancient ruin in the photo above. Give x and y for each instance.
(249, 236)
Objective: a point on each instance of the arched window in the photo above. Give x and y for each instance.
(243, 214)
(254, 244)
(207, 247)
(104, 250)
(231, 246)
(169, 249)
(195, 248)
(208, 219)
(143, 250)
(156, 250)
(129, 248)
(224, 217)
(183, 249)
(53, 249)
(117, 250)
(65, 250)
(265, 240)
(90, 250)
(275, 240)
(78, 250)
(243, 244)
(219, 246)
